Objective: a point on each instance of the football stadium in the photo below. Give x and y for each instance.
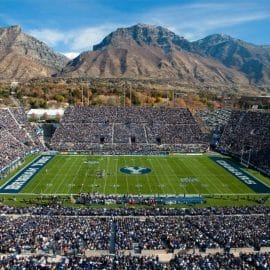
(110, 150)
(134, 146)
(135, 186)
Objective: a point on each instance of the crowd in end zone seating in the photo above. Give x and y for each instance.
(247, 135)
(16, 135)
(128, 129)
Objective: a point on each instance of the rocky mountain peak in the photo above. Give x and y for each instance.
(18, 48)
(15, 28)
(143, 35)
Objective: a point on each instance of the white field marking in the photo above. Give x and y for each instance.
(191, 172)
(126, 178)
(138, 182)
(65, 174)
(24, 167)
(155, 173)
(116, 178)
(148, 180)
(175, 161)
(251, 175)
(59, 171)
(62, 176)
(95, 184)
(75, 175)
(210, 183)
(177, 165)
(107, 170)
(207, 179)
(166, 176)
(234, 185)
(47, 176)
(41, 180)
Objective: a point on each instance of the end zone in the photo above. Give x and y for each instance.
(18, 182)
(251, 181)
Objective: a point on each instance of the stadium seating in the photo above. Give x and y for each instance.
(70, 232)
(121, 261)
(215, 118)
(247, 136)
(128, 129)
(16, 136)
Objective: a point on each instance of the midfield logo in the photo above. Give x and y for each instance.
(135, 170)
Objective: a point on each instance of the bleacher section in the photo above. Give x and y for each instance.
(16, 136)
(214, 118)
(128, 129)
(247, 136)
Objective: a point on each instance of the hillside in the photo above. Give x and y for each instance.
(24, 57)
(144, 51)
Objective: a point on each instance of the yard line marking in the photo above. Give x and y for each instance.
(40, 180)
(64, 178)
(166, 176)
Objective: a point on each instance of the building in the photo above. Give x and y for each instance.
(255, 102)
(45, 114)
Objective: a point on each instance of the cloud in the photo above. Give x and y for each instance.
(71, 55)
(85, 38)
(194, 21)
(75, 39)
(49, 36)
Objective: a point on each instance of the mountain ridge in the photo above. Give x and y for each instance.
(140, 51)
(23, 56)
(149, 52)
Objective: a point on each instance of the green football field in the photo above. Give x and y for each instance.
(182, 174)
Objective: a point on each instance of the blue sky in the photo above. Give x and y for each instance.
(73, 26)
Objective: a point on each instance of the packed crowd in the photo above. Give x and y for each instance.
(257, 261)
(52, 230)
(58, 235)
(16, 136)
(56, 210)
(116, 262)
(247, 136)
(215, 118)
(161, 233)
(128, 129)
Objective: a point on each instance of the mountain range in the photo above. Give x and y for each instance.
(24, 57)
(140, 52)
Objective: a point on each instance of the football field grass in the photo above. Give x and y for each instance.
(181, 174)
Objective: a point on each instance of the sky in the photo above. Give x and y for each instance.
(73, 26)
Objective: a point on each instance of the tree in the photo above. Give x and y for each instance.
(45, 116)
